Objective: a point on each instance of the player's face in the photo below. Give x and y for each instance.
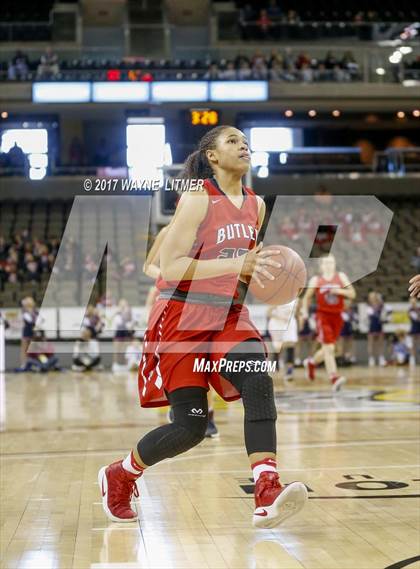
(328, 265)
(231, 152)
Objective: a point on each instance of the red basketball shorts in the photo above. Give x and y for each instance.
(329, 325)
(178, 334)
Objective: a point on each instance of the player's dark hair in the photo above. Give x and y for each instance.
(196, 165)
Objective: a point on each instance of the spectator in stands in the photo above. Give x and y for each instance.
(292, 17)
(18, 67)
(11, 266)
(244, 71)
(264, 24)
(48, 67)
(306, 74)
(415, 260)
(348, 62)
(302, 59)
(276, 72)
(86, 355)
(31, 268)
(275, 57)
(330, 60)
(44, 259)
(229, 73)
(322, 73)
(259, 69)
(257, 58)
(339, 74)
(213, 72)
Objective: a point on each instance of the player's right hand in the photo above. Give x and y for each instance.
(256, 263)
(414, 289)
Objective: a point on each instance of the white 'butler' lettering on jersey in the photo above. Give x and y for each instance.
(236, 231)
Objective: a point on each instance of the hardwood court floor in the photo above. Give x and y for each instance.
(358, 453)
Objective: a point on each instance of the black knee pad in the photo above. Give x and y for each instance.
(187, 430)
(255, 387)
(191, 413)
(258, 398)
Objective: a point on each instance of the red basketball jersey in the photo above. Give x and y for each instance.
(227, 231)
(326, 300)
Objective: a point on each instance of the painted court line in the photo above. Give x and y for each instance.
(193, 456)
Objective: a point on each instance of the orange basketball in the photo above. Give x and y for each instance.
(290, 278)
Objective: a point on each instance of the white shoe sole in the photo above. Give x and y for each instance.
(286, 505)
(214, 436)
(339, 384)
(103, 483)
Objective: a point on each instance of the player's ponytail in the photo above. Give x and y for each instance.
(196, 165)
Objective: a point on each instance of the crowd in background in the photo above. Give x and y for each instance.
(277, 65)
(25, 259)
(47, 67)
(286, 67)
(275, 11)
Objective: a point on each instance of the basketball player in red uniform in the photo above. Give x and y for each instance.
(330, 288)
(152, 268)
(200, 317)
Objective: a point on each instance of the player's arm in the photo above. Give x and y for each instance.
(261, 216)
(414, 288)
(347, 290)
(307, 297)
(261, 211)
(175, 263)
(151, 265)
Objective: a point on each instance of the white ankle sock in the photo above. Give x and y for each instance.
(266, 465)
(131, 465)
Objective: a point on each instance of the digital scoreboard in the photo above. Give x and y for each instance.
(204, 117)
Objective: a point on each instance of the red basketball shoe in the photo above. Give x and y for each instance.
(310, 368)
(117, 489)
(337, 382)
(275, 503)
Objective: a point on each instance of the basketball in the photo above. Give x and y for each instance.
(290, 278)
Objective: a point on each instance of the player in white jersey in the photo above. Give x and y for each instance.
(283, 329)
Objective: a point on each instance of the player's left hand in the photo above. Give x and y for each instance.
(339, 291)
(414, 289)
